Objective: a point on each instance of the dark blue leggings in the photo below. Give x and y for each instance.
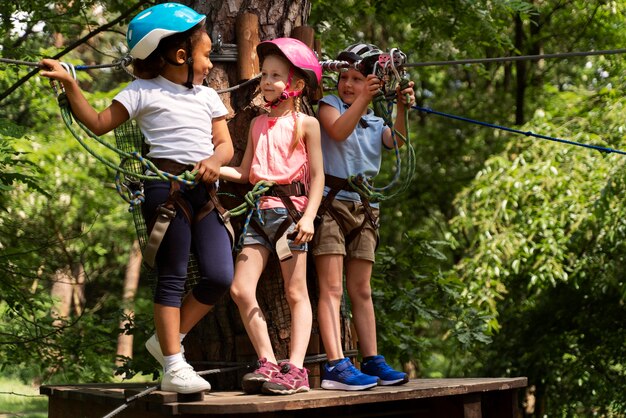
(208, 238)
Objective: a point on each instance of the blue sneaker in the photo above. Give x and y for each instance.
(344, 376)
(377, 366)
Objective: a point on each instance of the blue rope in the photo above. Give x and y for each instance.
(517, 131)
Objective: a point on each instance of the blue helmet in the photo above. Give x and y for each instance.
(146, 30)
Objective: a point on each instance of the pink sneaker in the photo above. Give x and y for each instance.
(290, 380)
(265, 371)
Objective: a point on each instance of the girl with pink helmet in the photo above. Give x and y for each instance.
(284, 148)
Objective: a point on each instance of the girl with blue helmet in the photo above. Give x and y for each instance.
(184, 124)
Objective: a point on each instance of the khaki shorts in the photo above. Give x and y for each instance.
(330, 239)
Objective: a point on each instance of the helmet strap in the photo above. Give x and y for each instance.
(285, 94)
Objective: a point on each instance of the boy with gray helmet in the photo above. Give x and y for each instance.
(352, 142)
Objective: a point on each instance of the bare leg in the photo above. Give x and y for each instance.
(248, 268)
(358, 274)
(192, 312)
(330, 276)
(296, 292)
(167, 321)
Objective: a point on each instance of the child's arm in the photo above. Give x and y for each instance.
(305, 226)
(241, 173)
(98, 123)
(405, 99)
(208, 170)
(340, 126)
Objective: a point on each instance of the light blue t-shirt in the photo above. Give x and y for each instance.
(360, 153)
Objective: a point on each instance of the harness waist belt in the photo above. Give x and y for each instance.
(170, 166)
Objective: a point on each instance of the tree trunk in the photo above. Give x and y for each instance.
(62, 291)
(521, 67)
(131, 282)
(221, 337)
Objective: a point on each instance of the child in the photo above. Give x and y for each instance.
(352, 141)
(284, 147)
(185, 128)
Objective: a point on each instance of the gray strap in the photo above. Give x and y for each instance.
(161, 224)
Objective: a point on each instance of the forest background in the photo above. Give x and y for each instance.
(505, 256)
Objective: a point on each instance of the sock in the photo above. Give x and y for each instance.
(333, 363)
(368, 358)
(182, 336)
(173, 360)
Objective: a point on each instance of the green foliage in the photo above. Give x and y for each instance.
(14, 167)
(68, 217)
(542, 233)
(423, 306)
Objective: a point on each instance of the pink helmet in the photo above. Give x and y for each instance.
(298, 54)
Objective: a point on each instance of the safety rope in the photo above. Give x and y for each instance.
(517, 131)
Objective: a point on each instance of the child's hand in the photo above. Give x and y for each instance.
(305, 230)
(53, 69)
(372, 86)
(406, 96)
(207, 170)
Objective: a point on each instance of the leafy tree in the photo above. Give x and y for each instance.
(541, 230)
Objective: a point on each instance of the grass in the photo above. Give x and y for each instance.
(20, 400)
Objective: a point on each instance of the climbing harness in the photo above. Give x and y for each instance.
(132, 171)
(279, 240)
(336, 184)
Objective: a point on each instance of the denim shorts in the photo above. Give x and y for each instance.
(272, 219)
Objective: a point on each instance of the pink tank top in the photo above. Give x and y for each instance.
(276, 160)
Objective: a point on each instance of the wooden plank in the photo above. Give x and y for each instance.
(472, 406)
(459, 397)
(239, 403)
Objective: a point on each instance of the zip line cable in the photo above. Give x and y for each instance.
(337, 65)
(516, 58)
(74, 45)
(517, 131)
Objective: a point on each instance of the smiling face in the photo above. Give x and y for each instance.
(274, 76)
(201, 62)
(351, 84)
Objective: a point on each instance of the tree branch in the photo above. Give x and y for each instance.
(73, 46)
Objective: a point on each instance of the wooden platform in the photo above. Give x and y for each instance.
(433, 398)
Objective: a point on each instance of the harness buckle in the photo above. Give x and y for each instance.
(166, 212)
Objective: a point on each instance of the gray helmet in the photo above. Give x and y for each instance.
(356, 52)
(367, 54)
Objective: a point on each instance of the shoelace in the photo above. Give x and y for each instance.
(185, 373)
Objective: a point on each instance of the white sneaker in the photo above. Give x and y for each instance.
(184, 379)
(153, 347)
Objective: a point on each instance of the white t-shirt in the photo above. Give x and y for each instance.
(176, 121)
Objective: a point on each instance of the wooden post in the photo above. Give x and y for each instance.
(306, 34)
(247, 26)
